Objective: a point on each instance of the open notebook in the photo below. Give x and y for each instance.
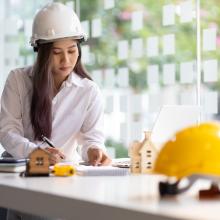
(101, 171)
(85, 170)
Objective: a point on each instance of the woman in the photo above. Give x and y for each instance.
(56, 97)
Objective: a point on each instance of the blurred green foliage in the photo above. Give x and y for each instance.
(117, 26)
(120, 150)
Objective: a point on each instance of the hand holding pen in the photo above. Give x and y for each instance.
(55, 153)
(45, 139)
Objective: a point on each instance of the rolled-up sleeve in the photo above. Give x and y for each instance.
(91, 133)
(11, 127)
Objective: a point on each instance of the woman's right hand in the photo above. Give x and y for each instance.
(55, 155)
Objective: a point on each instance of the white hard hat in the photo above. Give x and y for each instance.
(55, 21)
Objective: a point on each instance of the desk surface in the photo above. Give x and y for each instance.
(125, 197)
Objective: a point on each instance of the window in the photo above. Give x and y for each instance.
(141, 53)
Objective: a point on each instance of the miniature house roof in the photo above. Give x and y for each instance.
(147, 143)
(135, 148)
(37, 151)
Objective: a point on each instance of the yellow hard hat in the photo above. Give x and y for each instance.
(194, 150)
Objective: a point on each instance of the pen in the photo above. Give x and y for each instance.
(45, 139)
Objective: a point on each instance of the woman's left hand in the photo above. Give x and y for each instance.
(97, 157)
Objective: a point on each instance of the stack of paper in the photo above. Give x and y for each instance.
(12, 165)
(101, 171)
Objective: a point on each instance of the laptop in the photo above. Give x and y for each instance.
(172, 118)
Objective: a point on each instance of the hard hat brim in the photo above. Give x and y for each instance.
(45, 41)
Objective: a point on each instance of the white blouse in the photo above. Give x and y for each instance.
(77, 112)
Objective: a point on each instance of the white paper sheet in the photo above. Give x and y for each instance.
(101, 171)
(169, 44)
(187, 73)
(123, 77)
(211, 102)
(152, 75)
(186, 11)
(152, 46)
(137, 18)
(123, 49)
(209, 39)
(108, 4)
(210, 69)
(137, 47)
(96, 27)
(169, 73)
(168, 14)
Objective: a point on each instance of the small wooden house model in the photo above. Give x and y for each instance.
(143, 155)
(135, 157)
(38, 164)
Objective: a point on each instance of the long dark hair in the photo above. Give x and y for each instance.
(43, 90)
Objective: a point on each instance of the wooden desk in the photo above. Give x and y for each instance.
(100, 198)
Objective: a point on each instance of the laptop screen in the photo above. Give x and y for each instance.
(172, 118)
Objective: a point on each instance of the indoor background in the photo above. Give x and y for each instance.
(141, 53)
